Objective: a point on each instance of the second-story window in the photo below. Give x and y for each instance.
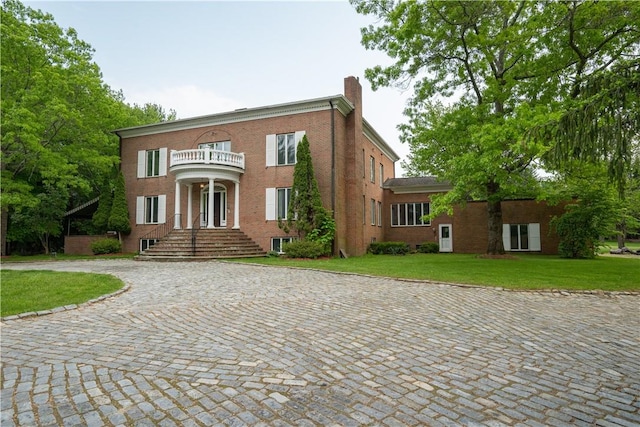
(153, 163)
(218, 146)
(372, 169)
(286, 148)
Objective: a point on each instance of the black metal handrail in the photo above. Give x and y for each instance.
(194, 230)
(161, 230)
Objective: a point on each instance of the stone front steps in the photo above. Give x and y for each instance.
(209, 244)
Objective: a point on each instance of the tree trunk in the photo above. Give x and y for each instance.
(494, 210)
(622, 230)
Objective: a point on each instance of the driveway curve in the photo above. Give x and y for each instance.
(216, 343)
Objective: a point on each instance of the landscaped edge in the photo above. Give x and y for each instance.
(69, 307)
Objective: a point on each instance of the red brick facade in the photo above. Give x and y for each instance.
(350, 159)
(468, 224)
(342, 145)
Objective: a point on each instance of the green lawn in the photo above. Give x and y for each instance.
(34, 290)
(62, 257)
(607, 273)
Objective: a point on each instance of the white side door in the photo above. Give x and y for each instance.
(445, 238)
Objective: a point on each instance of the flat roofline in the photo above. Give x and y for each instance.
(339, 102)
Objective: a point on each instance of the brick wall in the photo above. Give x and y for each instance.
(248, 137)
(81, 245)
(469, 223)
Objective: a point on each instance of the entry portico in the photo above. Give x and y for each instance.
(205, 166)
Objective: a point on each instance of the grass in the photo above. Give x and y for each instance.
(62, 257)
(34, 290)
(519, 272)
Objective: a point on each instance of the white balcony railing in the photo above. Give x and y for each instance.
(207, 156)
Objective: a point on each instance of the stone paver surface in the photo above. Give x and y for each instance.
(214, 343)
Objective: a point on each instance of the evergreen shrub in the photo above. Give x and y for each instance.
(304, 249)
(429, 248)
(388, 248)
(106, 246)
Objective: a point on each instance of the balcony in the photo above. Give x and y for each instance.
(206, 156)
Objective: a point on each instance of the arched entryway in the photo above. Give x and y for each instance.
(219, 206)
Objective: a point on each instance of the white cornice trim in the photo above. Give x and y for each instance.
(377, 140)
(340, 102)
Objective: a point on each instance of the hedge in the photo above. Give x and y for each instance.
(106, 246)
(388, 248)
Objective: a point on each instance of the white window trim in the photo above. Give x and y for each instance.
(372, 169)
(142, 163)
(533, 232)
(287, 238)
(391, 217)
(373, 208)
(141, 204)
(272, 147)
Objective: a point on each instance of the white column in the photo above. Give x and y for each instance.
(236, 207)
(210, 213)
(176, 224)
(189, 206)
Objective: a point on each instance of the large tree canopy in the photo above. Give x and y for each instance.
(57, 117)
(484, 74)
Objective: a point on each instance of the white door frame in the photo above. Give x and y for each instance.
(218, 188)
(445, 245)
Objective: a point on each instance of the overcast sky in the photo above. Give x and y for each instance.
(201, 58)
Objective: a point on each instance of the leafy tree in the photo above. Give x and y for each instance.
(56, 112)
(597, 210)
(306, 213)
(57, 117)
(101, 215)
(39, 221)
(119, 216)
(508, 66)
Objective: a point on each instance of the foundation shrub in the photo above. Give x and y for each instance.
(388, 248)
(429, 248)
(304, 249)
(106, 246)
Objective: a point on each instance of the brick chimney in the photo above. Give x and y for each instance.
(353, 92)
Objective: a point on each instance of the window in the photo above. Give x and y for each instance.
(147, 243)
(409, 214)
(151, 209)
(381, 174)
(373, 212)
(521, 237)
(284, 196)
(379, 214)
(364, 209)
(286, 149)
(281, 148)
(278, 242)
(372, 169)
(218, 146)
(152, 163)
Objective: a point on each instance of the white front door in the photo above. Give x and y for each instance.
(446, 238)
(219, 207)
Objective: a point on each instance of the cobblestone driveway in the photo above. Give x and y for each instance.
(227, 344)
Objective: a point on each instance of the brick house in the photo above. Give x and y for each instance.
(234, 171)
(525, 222)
